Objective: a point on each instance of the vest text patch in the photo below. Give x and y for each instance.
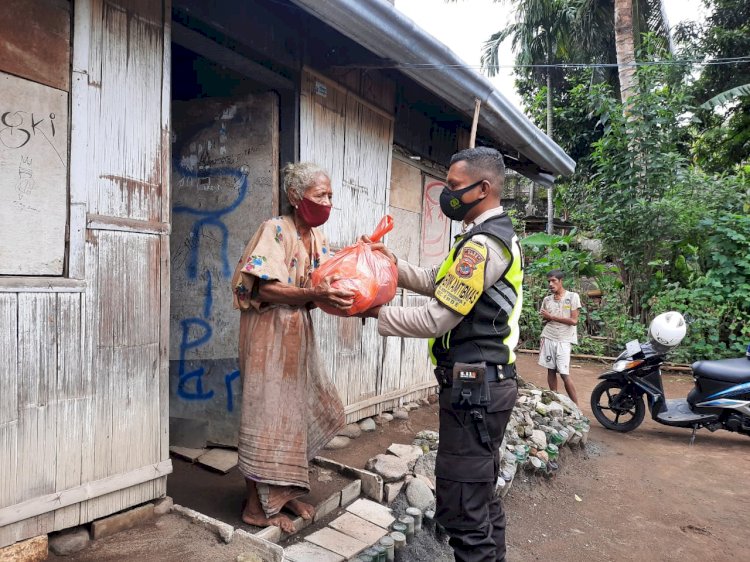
(464, 282)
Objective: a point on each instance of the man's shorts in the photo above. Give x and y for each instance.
(555, 355)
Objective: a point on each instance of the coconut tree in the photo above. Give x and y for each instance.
(541, 36)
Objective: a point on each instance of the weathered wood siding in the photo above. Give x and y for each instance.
(83, 364)
(353, 140)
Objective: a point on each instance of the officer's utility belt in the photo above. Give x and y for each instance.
(492, 373)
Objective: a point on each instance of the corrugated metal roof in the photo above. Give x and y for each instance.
(382, 29)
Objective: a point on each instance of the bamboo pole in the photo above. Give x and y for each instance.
(474, 123)
(602, 358)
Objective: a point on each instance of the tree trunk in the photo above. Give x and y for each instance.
(550, 199)
(625, 49)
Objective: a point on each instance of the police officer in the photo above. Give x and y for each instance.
(472, 320)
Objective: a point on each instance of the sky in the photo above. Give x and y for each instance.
(464, 25)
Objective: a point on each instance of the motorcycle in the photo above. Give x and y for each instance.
(720, 398)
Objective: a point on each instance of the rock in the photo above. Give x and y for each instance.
(555, 410)
(426, 480)
(408, 453)
(163, 506)
(541, 408)
(352, 431)
(423, 402)
(425, 466)
(429, 435)
(69, 541)
(338, 442)
(543, 456)
(386, 416)
(391, 490)
(419, 495)
(432, 398)
(400, 414)
(412, 406)
(539, 439)
(367, 424)
(390, 467)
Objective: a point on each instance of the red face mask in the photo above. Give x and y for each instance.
(314, 214)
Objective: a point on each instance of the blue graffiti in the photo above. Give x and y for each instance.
(228, 379)
(211, 217)
(208, 299)
(186, 344)
(190, 385)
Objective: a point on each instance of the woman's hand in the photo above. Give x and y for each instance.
(378, 247)
(326, 294)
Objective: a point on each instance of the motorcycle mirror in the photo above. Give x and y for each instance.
(688, 319)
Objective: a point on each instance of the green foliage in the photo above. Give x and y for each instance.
(723, 134)
(717, 302)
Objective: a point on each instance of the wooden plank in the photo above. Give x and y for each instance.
(125, 268)
(41, 285)
(36, 41)
(392, 395)
(8, 406)
(322, 130)
(317, 75)
(228, 58)
(79, 114)
(77, 241)
(166, 112)
(37, 373)
(73, 404)
(406, 186)
(402, 239)
(33, 173)
(102, 222)
(164, 319)
(125, 62)
(76, 494)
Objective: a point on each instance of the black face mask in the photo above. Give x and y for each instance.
(451, 204)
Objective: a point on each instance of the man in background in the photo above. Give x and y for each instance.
(560, 315)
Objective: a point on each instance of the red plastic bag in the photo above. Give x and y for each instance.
(371, 276)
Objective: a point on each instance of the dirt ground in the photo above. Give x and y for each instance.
(645, 495)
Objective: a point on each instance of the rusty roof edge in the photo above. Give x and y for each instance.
(381, 28)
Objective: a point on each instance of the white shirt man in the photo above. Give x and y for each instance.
(560, 313)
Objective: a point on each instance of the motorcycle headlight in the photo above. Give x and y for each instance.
(621, 366)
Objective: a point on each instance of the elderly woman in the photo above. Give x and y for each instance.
(290, 408)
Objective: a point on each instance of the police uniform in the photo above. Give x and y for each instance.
(472, 319)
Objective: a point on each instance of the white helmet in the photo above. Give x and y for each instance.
(668, 329)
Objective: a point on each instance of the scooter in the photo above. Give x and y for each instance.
(719, 400)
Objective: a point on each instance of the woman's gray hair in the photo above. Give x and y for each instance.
(298, 176)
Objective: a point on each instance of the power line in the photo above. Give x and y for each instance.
(569, 65)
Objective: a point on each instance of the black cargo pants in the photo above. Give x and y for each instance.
(466, 471)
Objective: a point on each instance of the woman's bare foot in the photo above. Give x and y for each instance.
(279, 520)
(304, 510)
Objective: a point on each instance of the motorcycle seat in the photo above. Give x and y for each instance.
(727, 370)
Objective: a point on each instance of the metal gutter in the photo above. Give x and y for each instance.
(381, 28)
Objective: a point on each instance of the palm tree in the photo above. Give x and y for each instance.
(541, 36)
(547, 32)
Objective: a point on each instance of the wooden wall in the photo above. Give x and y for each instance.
(353, 139)
(83, 358)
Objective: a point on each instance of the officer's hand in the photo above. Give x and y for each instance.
(378, 247)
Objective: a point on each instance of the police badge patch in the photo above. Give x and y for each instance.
(470, 258)
(462, 286)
